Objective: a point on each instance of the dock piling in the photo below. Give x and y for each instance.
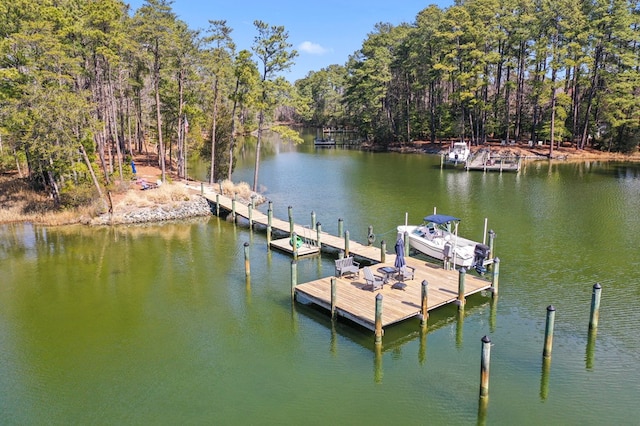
(313, 220)
(233, 208)
(247, 264)
(269, 221)
(548, 332)
(201, 188)
(290, 220)
(492, 236)
(340, 226)
(346, 243)
(461, 278)
(250, 212)
(424, 313)
(495, 276)
(406, 243)
(383, 251)
(485, 363)
(218, 205)
(294, 244)
(379, 331)
(370, 236)
(294, 277)
(595, 306)
(333, 297)
(318, 234)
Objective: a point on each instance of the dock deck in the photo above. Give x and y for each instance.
(485, 161)
(357, 303)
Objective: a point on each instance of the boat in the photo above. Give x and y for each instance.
(436, 238)
(324, 141)
(458, 153)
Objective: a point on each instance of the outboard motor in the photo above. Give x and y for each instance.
(481, 253)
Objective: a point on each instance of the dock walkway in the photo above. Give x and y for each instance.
(354, 300)
(485, 161)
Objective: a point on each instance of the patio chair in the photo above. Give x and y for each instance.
(375, 281)
(406, 272)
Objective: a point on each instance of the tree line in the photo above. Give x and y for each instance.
(84, 84)
(516, 70)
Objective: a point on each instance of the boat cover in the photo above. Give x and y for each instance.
(440, 218)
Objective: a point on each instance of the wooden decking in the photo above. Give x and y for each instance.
(356, 302)
(338, 243)
(485, 161)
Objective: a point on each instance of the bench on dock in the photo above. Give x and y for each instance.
(347, 266)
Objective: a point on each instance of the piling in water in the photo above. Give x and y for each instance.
(269, 221)
(294, 277)
(548, 331)
(595, 306)
(250, 212)
(333, 297)
(247, 264)
(461, 278)
(485, 362)
(424, 313)
(340, 226)
(313, 220)
(378, 319)
(492, 237)
(218, 205)
(495, 275)
(383, 251)
(290, 220)
(233, 209)
(370, 237)
(318, 234)
(294, 244)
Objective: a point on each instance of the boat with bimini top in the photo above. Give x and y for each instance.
(438, 238)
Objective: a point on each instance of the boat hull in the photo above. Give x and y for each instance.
(461, 249)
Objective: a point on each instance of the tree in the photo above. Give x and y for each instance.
(275, 55)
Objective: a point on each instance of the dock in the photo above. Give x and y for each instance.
(356, 302)
(353, 299)
(485, 161)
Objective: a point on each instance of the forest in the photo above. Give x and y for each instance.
(84, 84)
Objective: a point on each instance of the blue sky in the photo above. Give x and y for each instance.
(323, 32)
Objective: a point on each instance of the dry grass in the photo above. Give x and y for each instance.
(164, 194)
(242, 189)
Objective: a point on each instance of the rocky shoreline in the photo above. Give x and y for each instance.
(195, 207)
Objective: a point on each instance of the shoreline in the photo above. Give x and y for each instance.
(176, 201)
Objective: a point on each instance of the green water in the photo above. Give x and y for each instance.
(158, 325)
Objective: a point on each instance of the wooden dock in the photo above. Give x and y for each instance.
(305, 232)
(485, 161)
(354, 300)
(357, 303)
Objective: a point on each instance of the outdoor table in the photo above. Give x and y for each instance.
(388, 272)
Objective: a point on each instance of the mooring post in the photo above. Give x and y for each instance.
(247, 264)
(495, 275)
(250, 210)
(383, 251)
(340, 226)
(313, 220)
(461, 277)
(485, 362)
(379, 331)
(253, 201)
(220, 187)
(333, 297)
(294, 244)
(492, 236)
(370, 237)
(548, 331)
(406, 243)
(233, 208)
(595, 306)
(341, 254)
(218, 205)
(346, 243)
(269, 220)
(201, 188)
(424, 313)
(290, 220)
(318, 234)
(294, 277)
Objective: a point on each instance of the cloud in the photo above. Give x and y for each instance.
(312, 48)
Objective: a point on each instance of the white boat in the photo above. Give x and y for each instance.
(458, 153)
(436, 238)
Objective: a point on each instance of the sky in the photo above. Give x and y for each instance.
(323, 32)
